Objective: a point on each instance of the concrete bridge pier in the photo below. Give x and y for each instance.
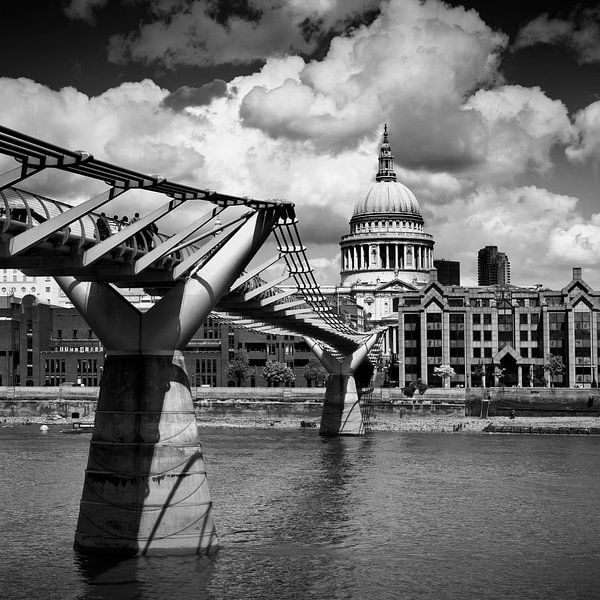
(342, 414)
(145, 488)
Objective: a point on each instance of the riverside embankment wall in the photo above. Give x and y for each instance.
(67, 401)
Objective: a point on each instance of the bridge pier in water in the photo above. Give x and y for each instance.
(342, 414)
(145, 488)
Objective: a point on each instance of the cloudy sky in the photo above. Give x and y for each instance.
(493, 110)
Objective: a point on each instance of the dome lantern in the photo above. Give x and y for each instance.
(386, 160)
(387, 196)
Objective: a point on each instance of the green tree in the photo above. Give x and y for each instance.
(554, 366)
(239, 369)
(314, 372)
(277, 372)
(444, 372)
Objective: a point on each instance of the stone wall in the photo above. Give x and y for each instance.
(39, 401)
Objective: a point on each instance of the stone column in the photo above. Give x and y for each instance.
(396, 262)
(519, 375)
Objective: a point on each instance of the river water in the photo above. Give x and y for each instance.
(391, 515)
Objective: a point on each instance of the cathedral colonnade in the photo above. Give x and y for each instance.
(391, 256)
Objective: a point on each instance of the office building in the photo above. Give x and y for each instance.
(493, 267)
(448, 271)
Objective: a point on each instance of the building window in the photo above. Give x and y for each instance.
(476, 352)
(524, 335)
(523, 318)
(487, 318)
(477, 335)
(487, 336)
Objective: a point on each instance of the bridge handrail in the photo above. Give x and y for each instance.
(37, 154)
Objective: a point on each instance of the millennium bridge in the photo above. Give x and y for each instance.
(145, 487)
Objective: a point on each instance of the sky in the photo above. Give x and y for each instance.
(493, 111)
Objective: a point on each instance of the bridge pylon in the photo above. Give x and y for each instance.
(145, 488)
(341, 408)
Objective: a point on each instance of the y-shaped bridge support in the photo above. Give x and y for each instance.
(145, 486)
(341, 409)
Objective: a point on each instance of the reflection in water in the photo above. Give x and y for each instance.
(144, 577)
(301, 517)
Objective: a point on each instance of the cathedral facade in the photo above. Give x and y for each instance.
(387, 252)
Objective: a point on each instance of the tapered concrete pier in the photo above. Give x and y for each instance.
(145, 484)
(342, 413)
(145, 488)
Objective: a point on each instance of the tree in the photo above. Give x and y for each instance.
(478, 370)
(239, 369)
(413, 386)
(277, 372)
(499, 373)
(314, 372)
(444, 372)
(554, 366)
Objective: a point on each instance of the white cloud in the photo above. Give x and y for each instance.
(126, 125)
(580, 33)
(309, 132)
(587, 145)
(528, 223)
(522, 126)
(413, 66)
(577, 245)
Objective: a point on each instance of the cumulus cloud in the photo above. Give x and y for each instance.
(203, 32)
(83, 9)
(125, 125)
(522, 126)
(580, 33)
(577, 245)
(587, 145)
(415, 64)
(309, 132)
(528, 223)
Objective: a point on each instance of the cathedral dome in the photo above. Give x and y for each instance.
(387, 197)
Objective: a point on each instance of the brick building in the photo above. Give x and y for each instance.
(42, 344)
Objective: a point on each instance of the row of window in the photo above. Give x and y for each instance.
(59, 334)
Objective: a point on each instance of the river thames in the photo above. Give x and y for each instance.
(390, 515)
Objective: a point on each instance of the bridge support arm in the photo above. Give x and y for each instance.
(342, 414)
(145, 488)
